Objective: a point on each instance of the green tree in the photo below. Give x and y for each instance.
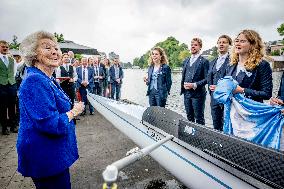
(175, 51)
(14, 44)
(214, 52)
(78, 56)
(183, 54)
(281, 31)
(136, 62)
(142, 62)
(59, 37)
(275, 53)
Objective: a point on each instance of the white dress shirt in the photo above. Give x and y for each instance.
(243, 69)
(220, 61)
(193, 58)
(86, 74)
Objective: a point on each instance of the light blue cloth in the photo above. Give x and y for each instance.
(254, 121)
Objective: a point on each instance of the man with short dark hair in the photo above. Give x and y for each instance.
(71, 57)
(194, 79)
(116, 75)
(85, 82)
(99, 75)
(217, 70)
(8, 90)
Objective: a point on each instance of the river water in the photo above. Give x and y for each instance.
(134, 89)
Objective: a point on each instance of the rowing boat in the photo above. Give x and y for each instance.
(198, 156)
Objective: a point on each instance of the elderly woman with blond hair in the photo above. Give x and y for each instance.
(248, 68)
(46, 143)
(159, 79)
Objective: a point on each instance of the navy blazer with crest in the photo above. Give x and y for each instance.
(101, 73)
(259, 85)
(164, 82)
(281, 88)
(112, 74)
(199, 76)
(90, 77)
(222, 71)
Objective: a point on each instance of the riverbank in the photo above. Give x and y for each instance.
(99, 144)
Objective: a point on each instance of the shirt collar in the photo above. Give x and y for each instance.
(224, 56)
(196, 55)
(2, 55)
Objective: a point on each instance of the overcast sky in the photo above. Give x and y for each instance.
(131, 27)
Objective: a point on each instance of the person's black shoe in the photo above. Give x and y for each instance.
(6, 132)
(14, 130)
(91, 113)
(83, 113)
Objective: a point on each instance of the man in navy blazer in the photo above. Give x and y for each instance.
(280, 97)
(85, 82)
(217, 70)
(116, 76)
(194, 79)
(99, 76)
(8, 90)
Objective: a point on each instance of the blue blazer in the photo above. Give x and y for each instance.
(112, 74)
(164, 81)
(222, 71)
(281, 88)
(199, 76)
(259, 85)
(46, 142)
(102, 73)
(90, 77)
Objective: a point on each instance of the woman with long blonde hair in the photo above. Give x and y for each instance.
(248, 67)
(159, 79)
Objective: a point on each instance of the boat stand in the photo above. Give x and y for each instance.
(111, 171)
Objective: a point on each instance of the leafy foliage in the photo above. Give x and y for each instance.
(281, 31)
(78, 56)
(59, 37)
(215, 52)
(175, 51)
(275, 53)
(14, 44)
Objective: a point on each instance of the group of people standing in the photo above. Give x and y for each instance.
(244, 62)
(46, 143)
(48, 81)
(92, 74)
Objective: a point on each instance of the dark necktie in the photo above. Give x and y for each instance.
(84, 74)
